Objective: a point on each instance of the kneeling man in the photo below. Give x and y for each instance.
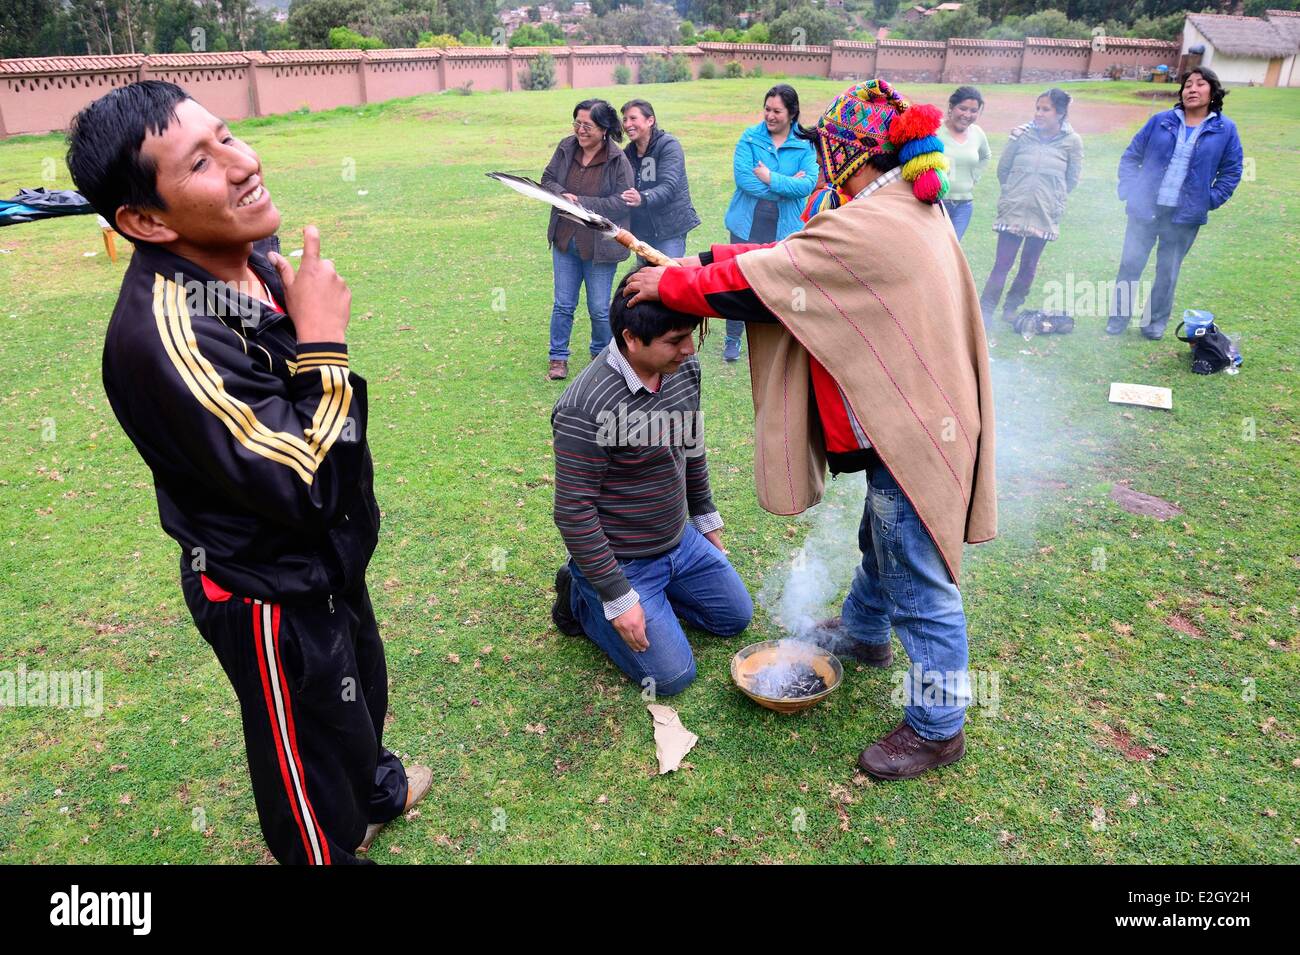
(633, 504)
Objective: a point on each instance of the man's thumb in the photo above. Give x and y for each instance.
(282, 268)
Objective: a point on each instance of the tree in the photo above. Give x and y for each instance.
(21, 23)
(341, 38)
(808, 25)
(884, 9)
(540, 74)
(965, 22)
(1054, 23)
(548, 34)
(310, 21)
(655, 24)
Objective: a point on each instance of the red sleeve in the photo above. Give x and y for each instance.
(687, 287)
(719, 289)
(721, 253)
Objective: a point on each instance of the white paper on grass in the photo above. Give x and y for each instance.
(672, 740)
(1148, 396)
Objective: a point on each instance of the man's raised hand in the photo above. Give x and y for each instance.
(318, 300)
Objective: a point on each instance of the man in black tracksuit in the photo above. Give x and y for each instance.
(230, 375)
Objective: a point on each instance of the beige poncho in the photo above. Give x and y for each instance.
(880, 293)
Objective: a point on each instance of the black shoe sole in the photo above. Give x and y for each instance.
(564, 620)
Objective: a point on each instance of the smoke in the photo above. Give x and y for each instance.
(790, 674)
(817, 574)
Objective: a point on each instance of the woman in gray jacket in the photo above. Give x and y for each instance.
(1040, 167)
(588, 167)
(660, 198)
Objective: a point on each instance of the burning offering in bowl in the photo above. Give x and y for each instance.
(786, 675)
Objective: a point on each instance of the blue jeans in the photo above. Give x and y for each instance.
(902, 581)
(673, 246)
(571, 273)
(1175, 241)
(693, 581)
(960, 211)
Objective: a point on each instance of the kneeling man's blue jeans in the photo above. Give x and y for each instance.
(903, 581)
(693, 581)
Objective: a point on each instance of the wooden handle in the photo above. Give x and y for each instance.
(647, 252)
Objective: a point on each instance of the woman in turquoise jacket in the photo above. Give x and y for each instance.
(776, 168)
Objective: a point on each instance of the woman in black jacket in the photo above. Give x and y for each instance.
(660, 198)
(589, 168)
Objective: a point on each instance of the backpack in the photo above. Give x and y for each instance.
(1212, 350)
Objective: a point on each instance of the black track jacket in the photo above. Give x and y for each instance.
(257, 442)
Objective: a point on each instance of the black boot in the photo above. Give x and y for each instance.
(562, 609)
(1155, 331)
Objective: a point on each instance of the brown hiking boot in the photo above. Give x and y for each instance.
(902, 754)
(418, 781)
(830, 635)
(558, 371)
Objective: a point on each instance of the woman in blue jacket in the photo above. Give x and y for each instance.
(776, 168)
(1181, 164)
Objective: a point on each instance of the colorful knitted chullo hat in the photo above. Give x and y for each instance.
(871, 118)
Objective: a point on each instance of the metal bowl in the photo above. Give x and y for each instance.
(756, 656)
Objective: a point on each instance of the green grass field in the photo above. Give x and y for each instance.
(1147, 670)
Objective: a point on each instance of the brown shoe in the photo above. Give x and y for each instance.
(902, 754)
(418, 781)
(830, 635)
(558, 371)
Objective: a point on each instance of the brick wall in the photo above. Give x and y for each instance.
(43, 94)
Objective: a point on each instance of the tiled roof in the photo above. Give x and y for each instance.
(464, 52)
(70, 64)
(915, 44)
(405, 53)
(1056, 41)
(981, 43)
(312, 56)
(239, 58)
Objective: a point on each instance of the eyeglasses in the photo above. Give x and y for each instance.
(583, 127)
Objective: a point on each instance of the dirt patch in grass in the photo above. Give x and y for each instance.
(1148, 505)
(1121, 740)
(1183, 625)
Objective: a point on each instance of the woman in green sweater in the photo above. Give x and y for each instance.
(967, 149)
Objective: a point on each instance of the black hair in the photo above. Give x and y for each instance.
(646, 320)
(1217, 92)
(644, 106)
(104, 143)
(1060, 100)
(603, 116)
(963, 93)
(791, 100)
(883, 162)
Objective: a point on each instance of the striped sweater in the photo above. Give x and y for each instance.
(630, 469)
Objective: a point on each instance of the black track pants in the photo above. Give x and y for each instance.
(313, 692)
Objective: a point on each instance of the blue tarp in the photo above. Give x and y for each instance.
(32, 204)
